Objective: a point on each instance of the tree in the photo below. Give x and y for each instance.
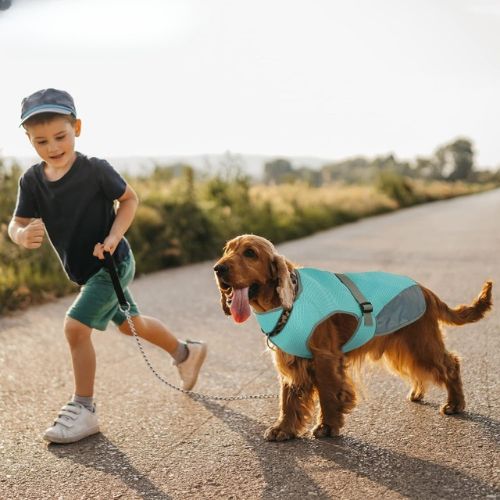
(427, 168)
(278, 171)
(455, 161)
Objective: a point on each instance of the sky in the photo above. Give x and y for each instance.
(319, 78)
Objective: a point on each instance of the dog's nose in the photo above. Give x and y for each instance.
(221, 269)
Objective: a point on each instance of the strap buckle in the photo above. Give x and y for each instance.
(366, 307)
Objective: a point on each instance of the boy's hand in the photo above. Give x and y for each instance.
(31, 236)
(109, 245)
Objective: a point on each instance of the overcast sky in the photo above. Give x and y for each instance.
(322, 78)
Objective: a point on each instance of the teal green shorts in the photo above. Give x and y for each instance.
(97, 304)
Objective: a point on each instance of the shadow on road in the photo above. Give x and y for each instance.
(283, 463)
(99, 453)
(286, 464)
(489, 425)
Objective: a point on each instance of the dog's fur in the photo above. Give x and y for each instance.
(416, 352)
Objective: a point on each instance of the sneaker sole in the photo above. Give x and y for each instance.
(68, 440)
(197, 366)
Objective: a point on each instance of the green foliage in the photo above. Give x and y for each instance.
(351, 170)
(9, 177)
(396, 187)
(29, 276)
(278, 171)
(171, 234)
(456, 160)
(182, 219)
(450, 162)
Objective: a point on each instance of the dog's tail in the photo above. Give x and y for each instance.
(463, 314)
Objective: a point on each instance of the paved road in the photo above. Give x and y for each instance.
(156, 443)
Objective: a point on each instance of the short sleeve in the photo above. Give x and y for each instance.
(112, 183)
(26, 205)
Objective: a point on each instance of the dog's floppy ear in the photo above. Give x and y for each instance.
(285, 286)
(223, 303)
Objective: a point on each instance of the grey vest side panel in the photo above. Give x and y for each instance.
(404, 309)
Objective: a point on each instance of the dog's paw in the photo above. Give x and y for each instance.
(452, 408)
(276, 433)
(325, 430)
(416, 396)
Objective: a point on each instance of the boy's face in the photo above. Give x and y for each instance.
(54, 141)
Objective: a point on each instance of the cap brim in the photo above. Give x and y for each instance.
(61, 110)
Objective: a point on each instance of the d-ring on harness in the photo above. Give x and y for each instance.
(125, 308)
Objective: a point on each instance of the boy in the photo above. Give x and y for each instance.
(71, 197)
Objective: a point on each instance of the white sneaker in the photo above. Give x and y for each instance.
(73, 423)
(190, 367)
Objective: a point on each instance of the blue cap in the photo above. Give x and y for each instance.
(47, 101)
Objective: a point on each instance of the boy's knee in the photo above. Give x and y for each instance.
(75, 331)
(138, 325)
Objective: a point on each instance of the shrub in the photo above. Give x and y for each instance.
(396, 187)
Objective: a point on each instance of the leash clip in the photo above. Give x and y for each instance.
(124, 308)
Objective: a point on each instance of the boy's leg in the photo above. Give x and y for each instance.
(79, 339)
(188, 356)
(152, 330)
(78, 418)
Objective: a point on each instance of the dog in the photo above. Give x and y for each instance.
(251, 275)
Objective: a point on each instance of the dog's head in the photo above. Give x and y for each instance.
(252, 273)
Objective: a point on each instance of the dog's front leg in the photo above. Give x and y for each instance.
(336, 393)
(295, 412)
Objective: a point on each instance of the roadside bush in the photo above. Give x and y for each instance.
(171, 234)
(396, 187)
(29, 276)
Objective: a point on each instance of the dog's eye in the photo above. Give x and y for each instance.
(250, 253)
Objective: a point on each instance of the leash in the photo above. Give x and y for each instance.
(109, 262)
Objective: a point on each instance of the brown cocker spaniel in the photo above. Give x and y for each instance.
(251, 274)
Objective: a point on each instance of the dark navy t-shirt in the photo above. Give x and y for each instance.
(77, 210)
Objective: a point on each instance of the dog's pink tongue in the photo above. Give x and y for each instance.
(240, 307)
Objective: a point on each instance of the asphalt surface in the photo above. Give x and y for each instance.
(158, 443)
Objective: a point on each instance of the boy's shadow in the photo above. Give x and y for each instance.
(282, 463)
(99, 453)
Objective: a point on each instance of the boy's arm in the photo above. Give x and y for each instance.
(26, 232)
(124, 217)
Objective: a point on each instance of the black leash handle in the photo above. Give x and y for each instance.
(109, 263)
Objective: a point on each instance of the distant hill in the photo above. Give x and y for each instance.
(252, 165)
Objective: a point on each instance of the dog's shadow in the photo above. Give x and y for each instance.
(282, 463)
(489, 425)
(99, 453)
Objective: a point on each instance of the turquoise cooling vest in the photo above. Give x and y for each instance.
(397, 301)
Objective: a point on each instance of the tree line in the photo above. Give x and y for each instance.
(451, 162)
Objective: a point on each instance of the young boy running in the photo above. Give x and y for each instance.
(71, 198)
